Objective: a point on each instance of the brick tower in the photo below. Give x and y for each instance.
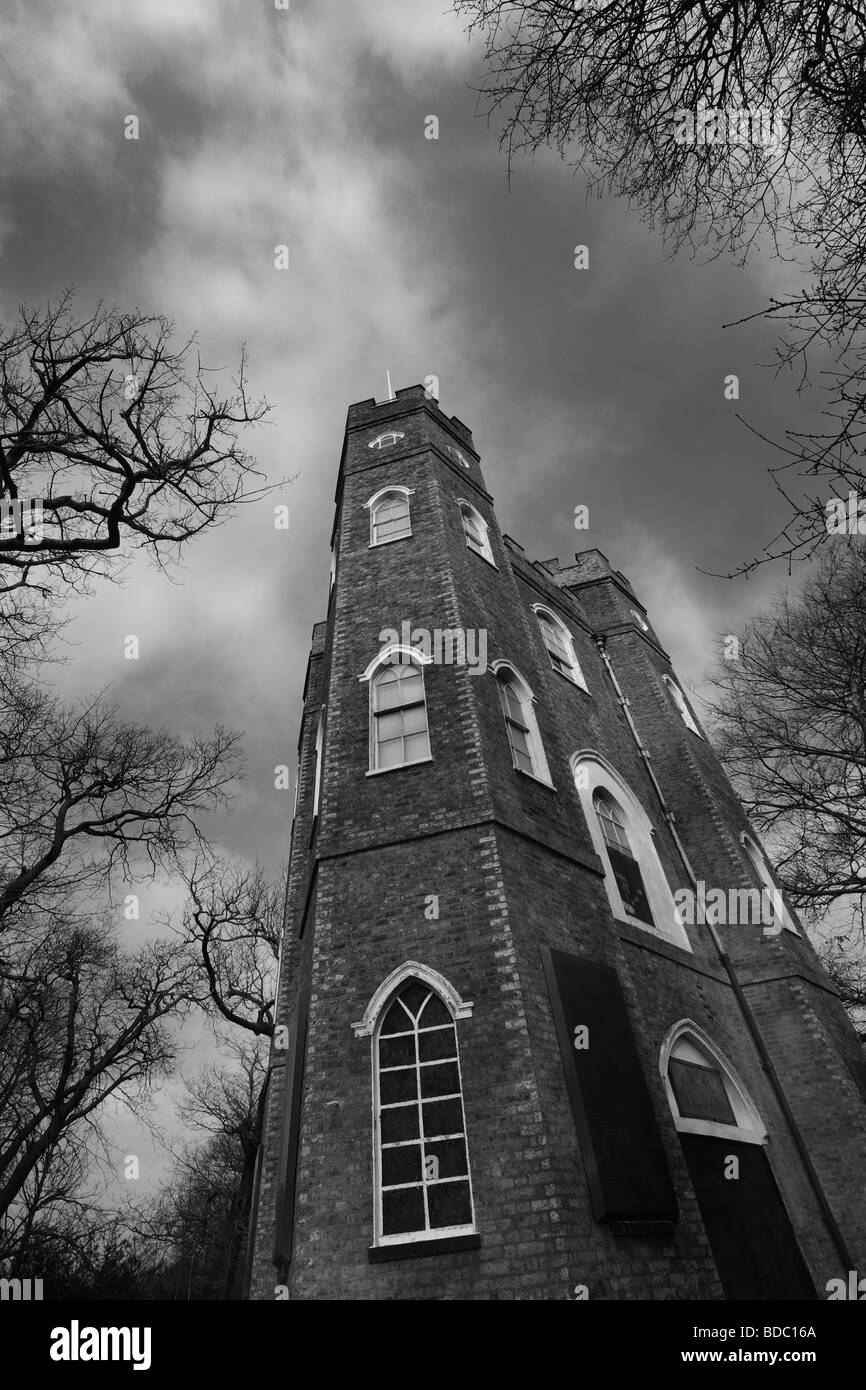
(519, 1054)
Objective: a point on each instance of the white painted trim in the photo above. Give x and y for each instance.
(750, 1127)
(392, 487)
(577, 677)
(541, 770)
(604, 777)
(758, 860)
(679, 700)
(383, 658)
(458, 1008)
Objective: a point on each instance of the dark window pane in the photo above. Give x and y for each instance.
(630, 884)
(395, 1052)
(451, 1154)
(397, 1085)
(434, 1011)
(399, 1124)
(443, 1117)
(396, 1020)
(402, 1210)
(449, 1205)
(440, 1080)
(700, 1092)
(413, 995)
(441, 1043)
(401, 1165)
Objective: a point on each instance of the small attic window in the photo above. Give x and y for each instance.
(384, 441)
(456, 454)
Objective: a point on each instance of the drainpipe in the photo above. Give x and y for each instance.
(751, 1022)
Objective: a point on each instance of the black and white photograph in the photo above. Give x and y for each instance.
(432, 672)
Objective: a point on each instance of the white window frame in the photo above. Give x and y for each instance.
(679, 700)
(686, 1036)
(368, 1026)
(758, 860)
(641, 621)
(386, 440)
(541, 771)
(385, 658)
(483, 549)
(373, 503)
(317, 785)
(456, 454)
(601, 776)
(547, 615)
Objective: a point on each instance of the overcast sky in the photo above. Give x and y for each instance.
(260, 126)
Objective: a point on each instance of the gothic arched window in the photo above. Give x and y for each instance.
(679, 700)
(623, 838)
(524, 738)
(398, 713)
(475, 531)
(423, 1186)
(389, 515)
(560, 646)
(704, 1093)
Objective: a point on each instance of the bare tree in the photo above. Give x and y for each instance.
(85, 796)
(80, 1020)
(232, 919)
(119, 435)
(732, 125)
(789, 717)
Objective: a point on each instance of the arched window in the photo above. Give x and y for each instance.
(475, 531)
(560, 645)
(320, 739)
(423, 1188)
(626, 869)
(623, 838)
(389, 515)
(457, 456)
(679, 700)
(704, 1092)
(773, 906)
(524, 738)
(384, 441)
(398, 712)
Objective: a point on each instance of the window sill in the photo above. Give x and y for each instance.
(492, 563)
(417, 1249)
(532, 777)
(571, 681)
(398, 767)
(392, 540)
(713, 1130)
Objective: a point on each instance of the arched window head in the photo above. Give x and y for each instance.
(423, 1188)
(389, 515)
(476, 532)
(773, 909)
(679, 700)
(623, 838)
(398, 714)
(704, 1092)
(560, 646)
(385, 441)
(457, 456)
(640, 620)
(524, 738)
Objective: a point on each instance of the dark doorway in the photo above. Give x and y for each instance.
(752, 1240)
